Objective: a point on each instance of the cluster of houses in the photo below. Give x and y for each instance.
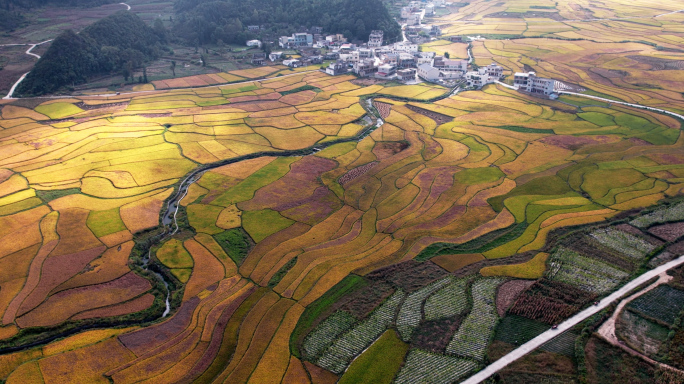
(400, 61)
(404, 62)
(413, 15)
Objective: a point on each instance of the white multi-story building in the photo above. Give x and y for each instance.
(386, 70)
(424, 58)
(428, 72)
(414, 18)
(365, 67)
(455, 65)
(484, 75)
(365, 53)
(254, 43)
(529, 82)
(336, 68)
(405, 46)
(296, 40)
(375, 39)
(273, 56)
(429, 9)
(406, 75)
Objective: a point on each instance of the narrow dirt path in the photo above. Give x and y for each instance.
(607, 329)
(28, 52)
(127, 6)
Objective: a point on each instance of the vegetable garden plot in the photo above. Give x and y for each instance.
(663, 304)
(410, 313)
(472, 338)
(337, 357)
(448, 301)
(433, 368)
(623, 242)
(661, 215)
(588, 274)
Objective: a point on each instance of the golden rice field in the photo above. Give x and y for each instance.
(77, 188)
(599, 21)
(270, 246)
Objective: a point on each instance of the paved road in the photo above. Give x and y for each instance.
(127, 6)
(608, 101)
(623, 103)
(28, 52)
(566, 325)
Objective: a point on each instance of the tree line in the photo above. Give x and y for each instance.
(212, 21)
(121, 43)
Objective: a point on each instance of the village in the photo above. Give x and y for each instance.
(401, 61)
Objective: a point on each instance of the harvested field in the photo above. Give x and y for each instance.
(668, 232)
(355, 173)
(508, 293)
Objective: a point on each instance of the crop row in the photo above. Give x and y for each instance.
(337, 357)
(410, 313)
(449, 301)
(661, 215)
(588, 274)
(623, 242)
(326, 332)
(425, 367)
(473, 336)
(664, 303)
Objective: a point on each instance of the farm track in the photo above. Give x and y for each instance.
(547, 336)
(28, 52)
(681, 117)
(607, 329)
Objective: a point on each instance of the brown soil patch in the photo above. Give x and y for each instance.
(89, 107)
(152, 115)
(355, 173)
(438, 117)
(386, 149)
(363, 301)
(657, 63)
(368, 81)
(668, 232)
(453, 263)
(434, 336)
(508, 292)
(410, 275)
(383, 108)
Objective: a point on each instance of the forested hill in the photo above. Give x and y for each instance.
(120, 42)
(18, 4)
(208, 21)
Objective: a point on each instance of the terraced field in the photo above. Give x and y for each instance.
(411, 243)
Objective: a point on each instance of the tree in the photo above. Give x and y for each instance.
(145, 74)
(204, 60)
(159, 29)
(128, 70)
(173, 67)
(446, 55)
